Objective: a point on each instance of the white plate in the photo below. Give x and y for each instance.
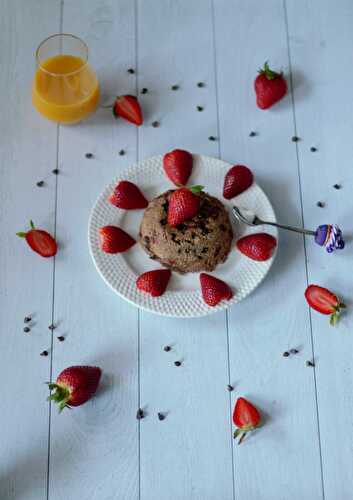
(183, 296)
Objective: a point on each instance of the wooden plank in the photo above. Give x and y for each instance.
(322, 75)
(28, 153)
(275, 461)
(94, 449)
(187, 455)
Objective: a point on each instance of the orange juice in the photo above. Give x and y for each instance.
(65, 89)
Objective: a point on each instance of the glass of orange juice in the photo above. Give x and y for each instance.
(65, 87)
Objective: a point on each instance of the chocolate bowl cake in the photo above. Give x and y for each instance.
(198, 244)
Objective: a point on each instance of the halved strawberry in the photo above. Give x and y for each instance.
(324, 301)
(214, 290)
(238, 179)
(154, 282)
(128, 196)
(259, 246)
(178, 165)
(184, 204)
(246, 417)
(40, 241)
(128, 107)
(115, 240)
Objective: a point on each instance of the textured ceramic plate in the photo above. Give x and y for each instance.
(183, 296)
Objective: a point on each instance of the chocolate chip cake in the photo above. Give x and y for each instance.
(198, 244)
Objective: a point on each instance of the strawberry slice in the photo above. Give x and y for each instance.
(128, 196)
(325, 302)
(178, 165)
(40, 241)
(259, 246)
(246, 417)
(154, 282)
(214, 290)
(75, 385)
(238, 179)
(128, 107)
(184, 204)
(115, 240)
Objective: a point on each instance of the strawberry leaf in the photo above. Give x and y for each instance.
(31, 224)
(21, 234)
(196, 189)
(270, 75)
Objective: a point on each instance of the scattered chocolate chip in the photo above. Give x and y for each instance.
(131, 71)
(177, 363)
(26, 329)
(27, 319)
(252, 134)
(312, 149)
(230, 388)
(320, 204)
(89, 155)
(163, 222)
(181, 227)
(44, 353)
(179, 251)
(200, 84)
(61, 338)
(40, 184)
(310, 363)
(155, 124)
(144, 91)
(199, 108)
(52, 327)
(337, 186)
(121, 152)
(175, 87)
(55, 171)
(161, 416)
(285, 354)
(204, 250)
(293, 351)
(139, 414)
(167, 348)
(211, 138)
(295, 138)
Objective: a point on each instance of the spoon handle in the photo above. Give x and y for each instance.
(290, 228)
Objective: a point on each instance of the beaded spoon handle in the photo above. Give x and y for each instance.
(328, 235)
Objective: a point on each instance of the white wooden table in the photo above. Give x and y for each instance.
(100, 451)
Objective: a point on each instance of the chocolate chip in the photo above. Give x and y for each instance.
(199, 257)
(161, 416)
(252, 134)
(131, 71)
(337, 186)
(310, 363)
(200, 84)
(179, 251)
(312, 149)
(51, 327)
(293, 351)
(230, 388)
(204, 250)
(211, 138)
(155, 124)
(44, 353)
(181, 227)
(175, 87)
(61, 338)
(285, 354)
(26, 329)
(89, 155)
(121, 152)
(320, 204)
(177, 363)
(55, 171)
(140, 414)
(144, 91)
(27, 319)
(167, 348)
(40, 184)
(199, 108)
(295, 138)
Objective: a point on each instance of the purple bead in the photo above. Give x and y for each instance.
(321, 234)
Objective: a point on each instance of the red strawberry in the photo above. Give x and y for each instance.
(214, 290)
(259, 246)
(75, 385)
(154, 282)
(128, 107)
(127, 195)
(270, 87)
(184, 204)
(178, 165)
(324, 301)
(238, 179)
(246, 417)
(114, 240)
(40, 241)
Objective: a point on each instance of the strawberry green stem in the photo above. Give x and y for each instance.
(270, 75)
(60, 395)
(242, 438)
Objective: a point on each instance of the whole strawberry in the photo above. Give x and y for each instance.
(114, 240)
(75, 385)
(259, 246)
(40, 241)
(128, 107)
(178, 166)
(325, 302)
(128, 196)
(184, 204)
(214, 290)
(238, 179)
(270, 87)
(154, 282)
(246, 417)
